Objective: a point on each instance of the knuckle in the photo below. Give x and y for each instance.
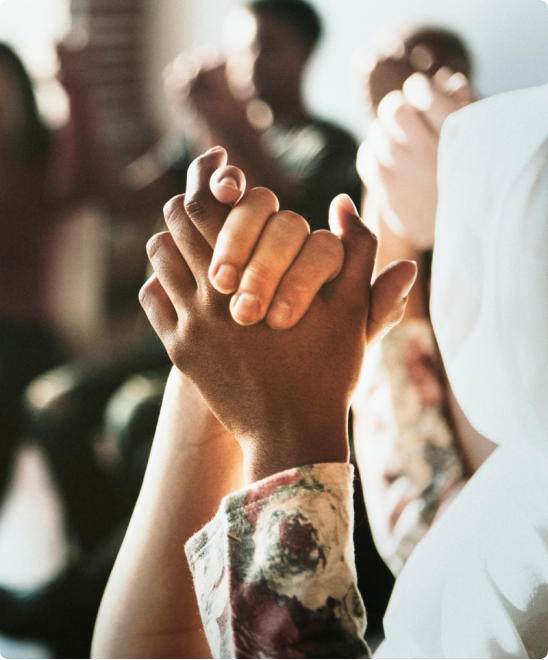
(258, 275)
(370, 240)
(292, 223)
(195, 205)
(146, 295)
(173, 208)
(384, 173)
(155, 245)
(213, 301)
(390, 104)
(328, 243)
(205, 164)
(265, 197)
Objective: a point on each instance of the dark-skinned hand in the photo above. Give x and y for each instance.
(284, 394)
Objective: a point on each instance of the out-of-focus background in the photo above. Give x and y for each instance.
(136, 39)
(99, 260)
(507, 38)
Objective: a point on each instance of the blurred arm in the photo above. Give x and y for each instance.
(87, 166)
(405, 442)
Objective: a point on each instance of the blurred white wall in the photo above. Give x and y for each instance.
(32, 38)
(509, 39)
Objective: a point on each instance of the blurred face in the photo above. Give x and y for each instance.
(271, 56)
(12, 109)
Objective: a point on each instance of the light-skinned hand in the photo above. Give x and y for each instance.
(398, 160)
(259, 255)
(283, 395)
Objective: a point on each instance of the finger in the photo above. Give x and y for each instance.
(459, 89)
(170, 268)
(320, 261)
(227, 185)
(239, 236)
(207, 213)
(158, 307)
(281, 241)
(380, 144)
(360, 250)
(436, 106)
(389, 298)
(367, 166)
(193, 247)
(401, 121)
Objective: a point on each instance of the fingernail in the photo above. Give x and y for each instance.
(226, 279)
(348, 204)
(457, 81)
(247, 309)
(407, 290)
(418, 92)
(229, 182)
(280, 314)
(213, 150)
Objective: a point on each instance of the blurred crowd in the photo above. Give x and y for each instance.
(94, 416)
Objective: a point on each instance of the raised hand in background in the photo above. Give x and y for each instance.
(398, 161)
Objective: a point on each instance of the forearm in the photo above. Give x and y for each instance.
(406, 447)
(149, 608)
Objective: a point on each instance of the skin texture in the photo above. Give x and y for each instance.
(293, 388)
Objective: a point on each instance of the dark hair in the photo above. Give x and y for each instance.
(36, 137)
(424, 49)
(444, 48)
(299, 15)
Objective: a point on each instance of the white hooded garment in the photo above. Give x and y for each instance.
(477, 585)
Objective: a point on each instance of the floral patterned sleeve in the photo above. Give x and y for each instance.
(409, 462)
(274, 571)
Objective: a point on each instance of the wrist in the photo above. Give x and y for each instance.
(185, 410)
(275, 454)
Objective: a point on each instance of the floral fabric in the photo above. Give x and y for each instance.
(407, 453)
(274, 571)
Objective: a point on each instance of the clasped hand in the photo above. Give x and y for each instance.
(398, 161)
(281, 378)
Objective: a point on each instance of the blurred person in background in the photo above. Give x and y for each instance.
(28, 161)
(253, 104)
(44, 175)
(409, 438)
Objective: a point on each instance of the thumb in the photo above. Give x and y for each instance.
(360, 245)
(389, 298)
